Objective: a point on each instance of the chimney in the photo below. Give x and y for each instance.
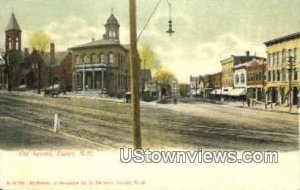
(26, 52)
(247, 53)
(52, 53)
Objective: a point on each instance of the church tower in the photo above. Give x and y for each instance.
(13, 35)
(112, 29)
(13, 48)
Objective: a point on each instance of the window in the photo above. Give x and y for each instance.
(18, 43)
(86, 59)
(277, 58)
(77, 60)
(94, 58)
(242, 78)
(295, 54)
(259, 76)
(296, 75)
(274, 76)
(9, 43)
(269, 76)
(110, 58)
(102, 58)
(269, 58)
(290, 53)
(283, 56)
(283, 75)
(256, 76)
(278, 75)
(237, 80)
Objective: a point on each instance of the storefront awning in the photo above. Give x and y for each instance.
(237, 92)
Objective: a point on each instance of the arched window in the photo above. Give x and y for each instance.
(237, 79)
(78, 60)
(242, 78)
(94, 58)
(283, 56)
(278, 75)
(110, 58)
(9, 43)
(86, 59)
(283, 75)
(18, 44)
(102, 58)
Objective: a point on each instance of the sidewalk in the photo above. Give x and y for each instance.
(276, 108)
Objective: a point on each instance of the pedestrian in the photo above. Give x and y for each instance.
(248, 102)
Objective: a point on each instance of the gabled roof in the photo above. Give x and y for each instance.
(282, 39)
(13, 24)
(97, 43)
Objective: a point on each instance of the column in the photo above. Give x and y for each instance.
(93, 80)
(83, 80)
(102, 80)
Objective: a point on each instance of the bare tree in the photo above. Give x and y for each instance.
(5, 57)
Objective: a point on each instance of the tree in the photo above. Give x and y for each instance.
(40, 43)
(5, 57)
(164, 76)
(148, 57)
(148, 60)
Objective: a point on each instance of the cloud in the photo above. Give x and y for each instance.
(185, 53)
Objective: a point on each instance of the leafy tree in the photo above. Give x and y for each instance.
(164, 76)
(148, 57)
(40, 43)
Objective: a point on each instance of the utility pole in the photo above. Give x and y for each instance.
(264, 78)
(291, 66)
(134, 78)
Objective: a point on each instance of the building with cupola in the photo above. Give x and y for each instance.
(102, 65)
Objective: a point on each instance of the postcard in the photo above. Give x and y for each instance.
(149, 94)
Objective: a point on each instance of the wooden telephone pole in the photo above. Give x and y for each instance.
(291, 68)
(134, 78)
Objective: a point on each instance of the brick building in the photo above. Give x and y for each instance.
(256, 79)
(102, 65)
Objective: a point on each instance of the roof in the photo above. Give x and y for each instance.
(112, 20)
(97, 43)
(13, 23)
(283, 39)
(239, 59)
(58, 57)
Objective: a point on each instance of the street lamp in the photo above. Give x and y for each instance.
(170, 31)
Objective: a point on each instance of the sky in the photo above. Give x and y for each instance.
(207, 31)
